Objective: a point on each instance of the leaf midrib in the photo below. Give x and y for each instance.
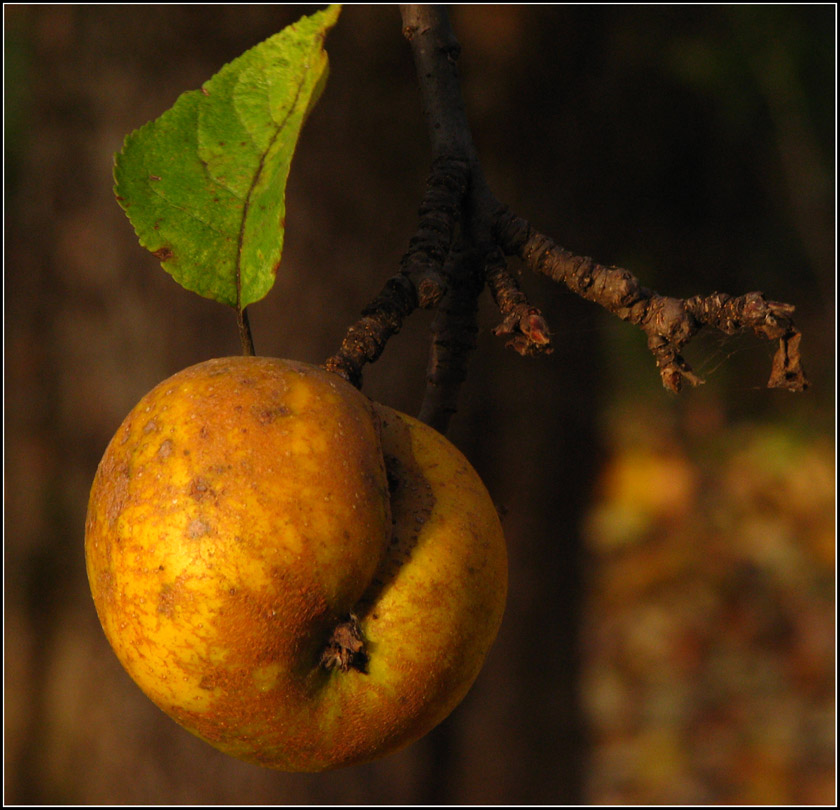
(247, 201)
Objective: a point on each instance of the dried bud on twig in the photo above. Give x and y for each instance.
(526, 323)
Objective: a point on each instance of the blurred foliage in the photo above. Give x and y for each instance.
(670, 625)
(710, 629)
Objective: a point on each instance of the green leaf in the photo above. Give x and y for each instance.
(204, 185)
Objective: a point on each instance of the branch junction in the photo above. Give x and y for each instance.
(462, 240)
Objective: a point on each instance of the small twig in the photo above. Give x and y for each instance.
(669, 323)
(526, 323)
(787, 364)
(366, 339)
(421, 280)
(772, 320)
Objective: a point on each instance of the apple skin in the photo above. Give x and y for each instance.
(248, 506)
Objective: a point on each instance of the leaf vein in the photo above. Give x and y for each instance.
(246, 204)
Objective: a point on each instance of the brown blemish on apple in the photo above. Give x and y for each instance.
(165, 449)
(200, 488)
(207, 682)
(198, 528)
(265, 416)
(244, 628)
(171, 594)
(105, 581)
(166, 600)
(115, 497)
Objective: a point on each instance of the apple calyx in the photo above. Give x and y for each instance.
(346, 647)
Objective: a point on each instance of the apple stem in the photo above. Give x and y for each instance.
(245, 337)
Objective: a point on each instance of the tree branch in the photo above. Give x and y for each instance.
(453, 339)
(669, 323)
(421, 280)
(435, 50)
(459, 208)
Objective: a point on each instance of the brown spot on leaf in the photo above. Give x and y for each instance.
(164, 253)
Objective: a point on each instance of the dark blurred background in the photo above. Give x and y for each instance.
(669, 635)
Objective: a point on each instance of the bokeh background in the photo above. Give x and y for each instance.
(669, 636)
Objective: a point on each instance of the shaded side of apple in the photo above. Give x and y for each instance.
(434, 606)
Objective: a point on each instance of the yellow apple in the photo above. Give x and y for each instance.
(301, 577)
